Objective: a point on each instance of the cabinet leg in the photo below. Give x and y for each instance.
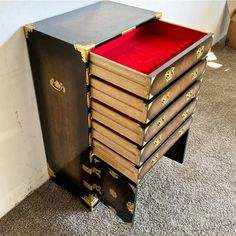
(177, 151)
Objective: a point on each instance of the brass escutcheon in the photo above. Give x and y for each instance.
(157, 141)
(200, 51)
(57, 85)
(165, 99)
(189, 94)
(194, 74)
(154, 159)
(170, 74)
(185, 114)
(161, 121)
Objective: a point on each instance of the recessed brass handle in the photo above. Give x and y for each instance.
(157, 141)
(194, 74)
(170, 74)
(165, 99)
(113, 193)
(57, 85)
(161, 121)
(189, 94)
(154, 159)
(200, 51)
(185, 114)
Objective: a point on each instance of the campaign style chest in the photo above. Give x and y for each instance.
(116, 89)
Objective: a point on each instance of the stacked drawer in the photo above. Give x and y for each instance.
(137, 116)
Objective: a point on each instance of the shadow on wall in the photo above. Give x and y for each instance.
(22, 159)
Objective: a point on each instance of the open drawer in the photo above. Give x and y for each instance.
(147, 59)
(132, 152)
(137, 108)
(129, 169)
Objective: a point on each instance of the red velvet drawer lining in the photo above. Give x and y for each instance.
(149, 46)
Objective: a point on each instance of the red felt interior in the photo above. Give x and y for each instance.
(148, 47)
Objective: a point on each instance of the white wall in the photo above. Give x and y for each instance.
(205, 15)
(22, 157)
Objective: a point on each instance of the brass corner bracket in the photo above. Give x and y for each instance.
(90, 200)
(51, 172)
(158, 15)
(28, 29)
(84, 50)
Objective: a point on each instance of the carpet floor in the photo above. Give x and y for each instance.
(196, 198)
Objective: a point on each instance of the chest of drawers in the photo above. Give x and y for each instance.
(116, 89)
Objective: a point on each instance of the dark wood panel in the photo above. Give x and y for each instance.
(95, 23)
(60, 85)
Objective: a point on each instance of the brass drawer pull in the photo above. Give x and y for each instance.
(189, 94)
(170, 74)
(165, 99)
(194, 74)
(185, 114)
(161, 121)
(154, 159)
(57, 85)
(157, 141)
(200, 51)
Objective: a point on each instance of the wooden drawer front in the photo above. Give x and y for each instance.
(129, 150)
(129, 169)
(165, 98)
(174, 70)
(133, 130)
(164, 147)
(162, 119)
(137, 108)
(141, 83)
(116, 142)
(161, 136)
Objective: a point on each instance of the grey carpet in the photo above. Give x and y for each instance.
(196, 198)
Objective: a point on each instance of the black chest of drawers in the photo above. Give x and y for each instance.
(116, 88)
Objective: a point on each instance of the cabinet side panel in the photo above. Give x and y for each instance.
(60, 86)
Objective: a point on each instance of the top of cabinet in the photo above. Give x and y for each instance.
(93, 24)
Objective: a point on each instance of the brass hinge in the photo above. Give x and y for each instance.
(89, 120)
(51, 172)
(91, 171)
(128, 30)
(84, 50)
(28, 29)
(88, 99)
(87, 76)
(90, 200)
(158, 15)
(92, 187)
